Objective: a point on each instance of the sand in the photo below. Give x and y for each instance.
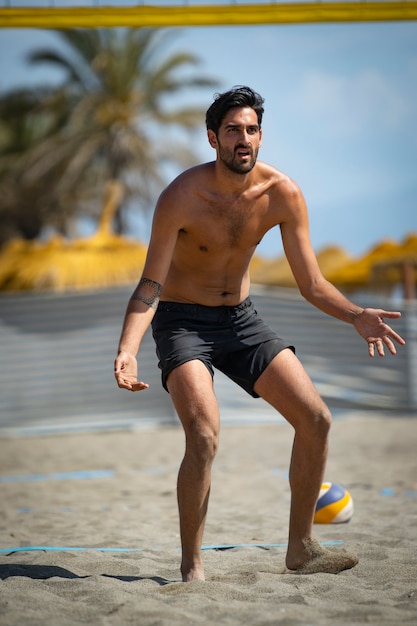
(112, 495)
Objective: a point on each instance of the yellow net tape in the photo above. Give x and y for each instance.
(161, 16)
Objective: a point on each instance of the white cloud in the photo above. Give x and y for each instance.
(363, 103)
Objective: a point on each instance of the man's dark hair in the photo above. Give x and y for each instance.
(237, 97)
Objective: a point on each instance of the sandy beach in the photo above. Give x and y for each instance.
(89, 530)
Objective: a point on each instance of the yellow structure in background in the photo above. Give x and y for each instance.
(206, 15)
(386, 265)
(98, 262)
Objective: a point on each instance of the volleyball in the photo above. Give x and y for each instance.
(334, 505)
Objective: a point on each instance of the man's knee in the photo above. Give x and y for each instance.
(313, 424)
(202, 437)
(319, 422)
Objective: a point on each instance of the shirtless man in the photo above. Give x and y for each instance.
(195, 291)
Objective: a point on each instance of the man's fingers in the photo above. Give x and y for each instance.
(121, 382)
(391, 314)
(379, 345)
(390, 345)
(139, 386)
(380, 348)
(397, 337)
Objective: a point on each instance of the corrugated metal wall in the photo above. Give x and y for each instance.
(57, 353)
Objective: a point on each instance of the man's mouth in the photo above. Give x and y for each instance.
(242, 152)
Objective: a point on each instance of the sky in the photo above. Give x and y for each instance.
(340, 116)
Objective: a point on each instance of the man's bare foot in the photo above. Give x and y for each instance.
(319, 559)
(195, 573)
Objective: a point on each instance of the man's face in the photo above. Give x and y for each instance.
(238, 140)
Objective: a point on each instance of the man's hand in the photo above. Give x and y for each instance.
(126, 372)
(371, 326)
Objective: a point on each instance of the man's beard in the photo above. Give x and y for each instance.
(233, 163)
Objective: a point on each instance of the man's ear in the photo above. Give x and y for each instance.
(212, 138)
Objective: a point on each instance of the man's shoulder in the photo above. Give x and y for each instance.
(270, 171)
(182, 191)
(194, 175)
(277, 179)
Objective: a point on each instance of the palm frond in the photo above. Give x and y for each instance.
(102, 122)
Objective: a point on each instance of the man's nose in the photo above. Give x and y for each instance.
(244, 136)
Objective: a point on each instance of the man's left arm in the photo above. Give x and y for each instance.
(369, 322)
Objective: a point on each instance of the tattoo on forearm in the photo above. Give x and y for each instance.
(147, 291)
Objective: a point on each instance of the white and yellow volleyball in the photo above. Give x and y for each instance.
(334, 505)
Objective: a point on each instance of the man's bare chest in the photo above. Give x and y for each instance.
(222, 224)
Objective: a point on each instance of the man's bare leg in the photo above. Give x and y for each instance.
(191, 389)
(287, 387)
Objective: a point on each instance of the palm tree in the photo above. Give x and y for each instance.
(118, 93)
(27, 118)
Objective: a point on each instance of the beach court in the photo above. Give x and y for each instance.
(89, 530)
(89, 525)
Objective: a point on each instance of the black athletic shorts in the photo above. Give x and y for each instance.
(234, 339)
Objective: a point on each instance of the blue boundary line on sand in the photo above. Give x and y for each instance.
(77, 475)
(103, 549)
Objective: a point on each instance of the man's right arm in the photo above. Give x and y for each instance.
(144, 300)
(139, 313)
